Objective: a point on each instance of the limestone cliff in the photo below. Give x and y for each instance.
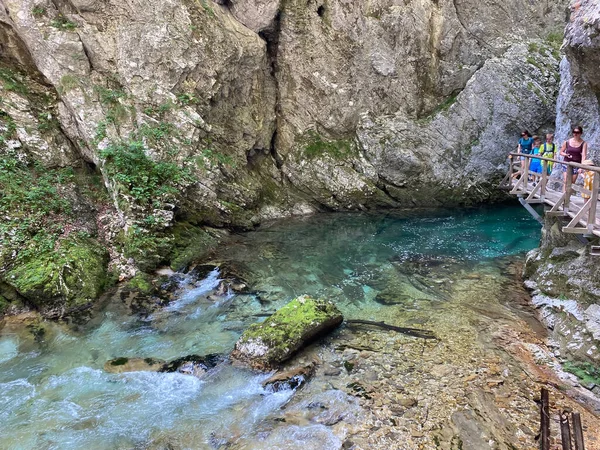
(562, 274)
(230, 112)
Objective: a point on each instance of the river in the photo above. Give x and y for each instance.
(455, 272)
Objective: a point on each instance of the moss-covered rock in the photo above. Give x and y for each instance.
(64, 279)
(191, 243)
(142, 283)
(267, 344)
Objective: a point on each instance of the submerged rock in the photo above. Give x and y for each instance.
(189, 365)
(120, 365)
(193, 364)
(291, 378)
(267, 344)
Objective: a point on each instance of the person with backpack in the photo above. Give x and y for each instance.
(548, 150)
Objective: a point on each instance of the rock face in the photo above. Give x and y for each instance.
(580, 80)
(265, 345)
(228, 113)
(565, 280)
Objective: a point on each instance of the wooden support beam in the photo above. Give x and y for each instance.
(577, 432)
(593, 201)
(565, 431)
(544, 181)
(577, 218)
(545, 420)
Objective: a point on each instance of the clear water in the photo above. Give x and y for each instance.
(54, 393)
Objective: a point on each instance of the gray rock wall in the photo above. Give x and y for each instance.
(258, 109)
(580, 79)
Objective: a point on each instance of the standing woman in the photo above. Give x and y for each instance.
(574, 150)
(525, 146)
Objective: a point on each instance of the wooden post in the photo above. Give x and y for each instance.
(565, 431)
(593, 202)
(577, 432)
(544, 180)
(526, 172)
(545, 420)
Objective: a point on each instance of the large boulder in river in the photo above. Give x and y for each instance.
(267, 344)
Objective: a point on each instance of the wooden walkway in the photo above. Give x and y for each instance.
(565, 201)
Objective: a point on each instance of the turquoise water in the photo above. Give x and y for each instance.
(54, 393)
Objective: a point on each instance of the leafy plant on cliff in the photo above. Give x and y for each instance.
(13, 81)
(139, 176)
(63, 23)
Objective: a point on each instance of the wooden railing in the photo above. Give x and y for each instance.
(562, 203)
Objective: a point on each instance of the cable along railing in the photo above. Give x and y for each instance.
(561, 196)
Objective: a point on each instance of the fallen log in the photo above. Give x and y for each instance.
(415, 332)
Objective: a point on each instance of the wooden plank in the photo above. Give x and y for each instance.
(575, 230)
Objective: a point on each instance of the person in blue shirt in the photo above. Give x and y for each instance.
(535, 165)
(525, 143)
(525, 146)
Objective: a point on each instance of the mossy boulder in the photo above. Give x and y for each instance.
(265, 345)
(64, 279)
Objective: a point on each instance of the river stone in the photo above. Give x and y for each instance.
(192, 364)
(120, 365)
(265, 345)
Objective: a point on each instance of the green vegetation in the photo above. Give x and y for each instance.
(111, 98)
(68, 83)
(189, 243)
(587, 372)
(316, 147)
(8, 128)
(141, 282)
(47, 121)
(63, 23)
(159, 110)
(148, 248)
(214, 158)
(555, 39)
(29, 204)
(187, 99)
(13, 81)
(533, 47)
(140, 177)
(38, 11)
